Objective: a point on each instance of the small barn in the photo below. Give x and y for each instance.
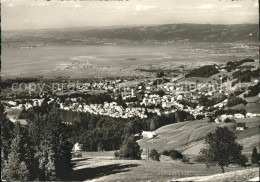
(77, 147)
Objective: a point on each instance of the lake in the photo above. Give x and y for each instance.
(106, 60)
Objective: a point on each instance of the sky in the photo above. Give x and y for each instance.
(43, 14)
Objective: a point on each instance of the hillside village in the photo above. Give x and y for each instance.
(130, 90)
(155, 96)
(163, 113)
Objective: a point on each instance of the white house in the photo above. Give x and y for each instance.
(77, 147)
(12, 103)
(238, 115)
(249, 115)
(148, 134)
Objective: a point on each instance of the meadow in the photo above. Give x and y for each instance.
(102, 166)
(188, 137)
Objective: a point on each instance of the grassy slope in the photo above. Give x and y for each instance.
(188, 136)
(242, 175)
(249, 107)
(102, 166)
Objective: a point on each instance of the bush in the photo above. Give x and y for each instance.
(175, 154)
(211, 119)
(154, 155)
(116, 154)
(166, 152)
(227, 120)
(242, 161)
(255, 156)
(253, 90)
(185, 160)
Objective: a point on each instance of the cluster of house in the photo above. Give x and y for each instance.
(108, 109)
(223, 117)
(26, 105)
(106, 85)
(141, 99)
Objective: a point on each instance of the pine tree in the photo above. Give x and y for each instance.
(6, 135)
(130, 149)
(255, 156)
(23, 173)
(54, 151)
(15, 167)
(50, 166)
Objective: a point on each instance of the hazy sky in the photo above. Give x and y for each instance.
(39, 14)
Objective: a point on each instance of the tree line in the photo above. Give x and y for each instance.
(98, 132)
(37, 151)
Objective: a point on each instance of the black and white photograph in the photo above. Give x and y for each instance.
(130, 90)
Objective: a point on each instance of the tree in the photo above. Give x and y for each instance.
(227, 120)
(23, 114)
(222, 149)
(51, 140)
(154, 124)
(233, 101)
(15, 166)
(154, 155)
(130, 149)
(175, 154)
(180, 115)
(6, 135)
(255, 156)
(211, 119)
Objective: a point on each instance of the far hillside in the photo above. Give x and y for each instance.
(188, 137)
(139, 33)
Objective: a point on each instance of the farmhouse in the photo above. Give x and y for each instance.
(239, 116)
(240, 126)
(148, 134)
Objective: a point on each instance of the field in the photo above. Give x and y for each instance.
(242, 175)
(101, 166)
(188, 137)
(13, 114)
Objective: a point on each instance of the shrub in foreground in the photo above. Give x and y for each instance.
(154, 155)
(175, 154)
(116, 154)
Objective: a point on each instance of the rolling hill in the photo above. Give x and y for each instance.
(188, 137)
(135, 34)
